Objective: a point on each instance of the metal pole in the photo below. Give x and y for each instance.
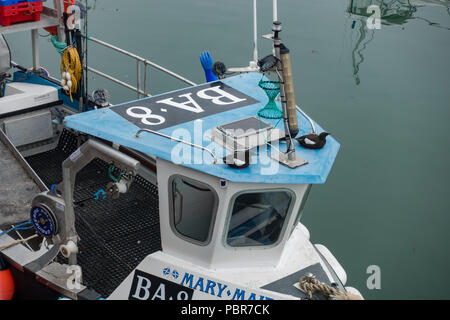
(86, 82)
(138, 82)
(57, 5)
(313, 127)
(126, 85)
(277, 42)
(35, 48)
(255, 32)
(71, 166)
(284, 72)
(275, 10)
(275, 18)
(145, 78)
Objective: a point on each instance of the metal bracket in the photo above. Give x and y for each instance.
(90, 150)
(284, 159)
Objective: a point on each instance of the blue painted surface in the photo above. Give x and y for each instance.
(14, 2)
(108, 125)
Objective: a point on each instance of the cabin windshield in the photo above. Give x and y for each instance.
(258, 218)
(193, 209)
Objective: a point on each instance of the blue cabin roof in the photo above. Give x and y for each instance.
(189, 114)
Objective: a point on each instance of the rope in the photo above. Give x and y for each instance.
(71, 71)
(22, 226)
(16, 242)
(111, 174)
(310, 285)
(270, 131)
(59, 46)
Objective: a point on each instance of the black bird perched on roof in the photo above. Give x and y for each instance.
(313, 141)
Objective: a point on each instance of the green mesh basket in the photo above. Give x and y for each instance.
(272, 89)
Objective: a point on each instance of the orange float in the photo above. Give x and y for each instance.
(6, 281)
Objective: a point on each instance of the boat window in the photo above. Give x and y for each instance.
(193, 209)
(258, 218)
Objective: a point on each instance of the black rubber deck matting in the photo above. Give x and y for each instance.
(115, 235)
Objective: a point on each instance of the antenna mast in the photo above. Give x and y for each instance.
(275, 10)
(255, 33)
(253, 65)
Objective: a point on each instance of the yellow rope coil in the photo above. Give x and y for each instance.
(71, 71)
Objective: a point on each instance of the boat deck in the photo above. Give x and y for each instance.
(115, 235)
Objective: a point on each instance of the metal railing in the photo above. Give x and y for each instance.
(138, 135)
(140, 89)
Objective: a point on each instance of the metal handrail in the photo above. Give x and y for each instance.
(137, 135)
(124, 84)
(139, 60)
(313, 127)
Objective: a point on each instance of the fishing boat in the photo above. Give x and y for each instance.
(192, 194)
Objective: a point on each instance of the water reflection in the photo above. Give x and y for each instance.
(392, 12)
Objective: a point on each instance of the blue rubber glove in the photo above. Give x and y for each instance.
(207, 63)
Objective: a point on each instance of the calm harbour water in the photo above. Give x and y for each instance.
(383, 94)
